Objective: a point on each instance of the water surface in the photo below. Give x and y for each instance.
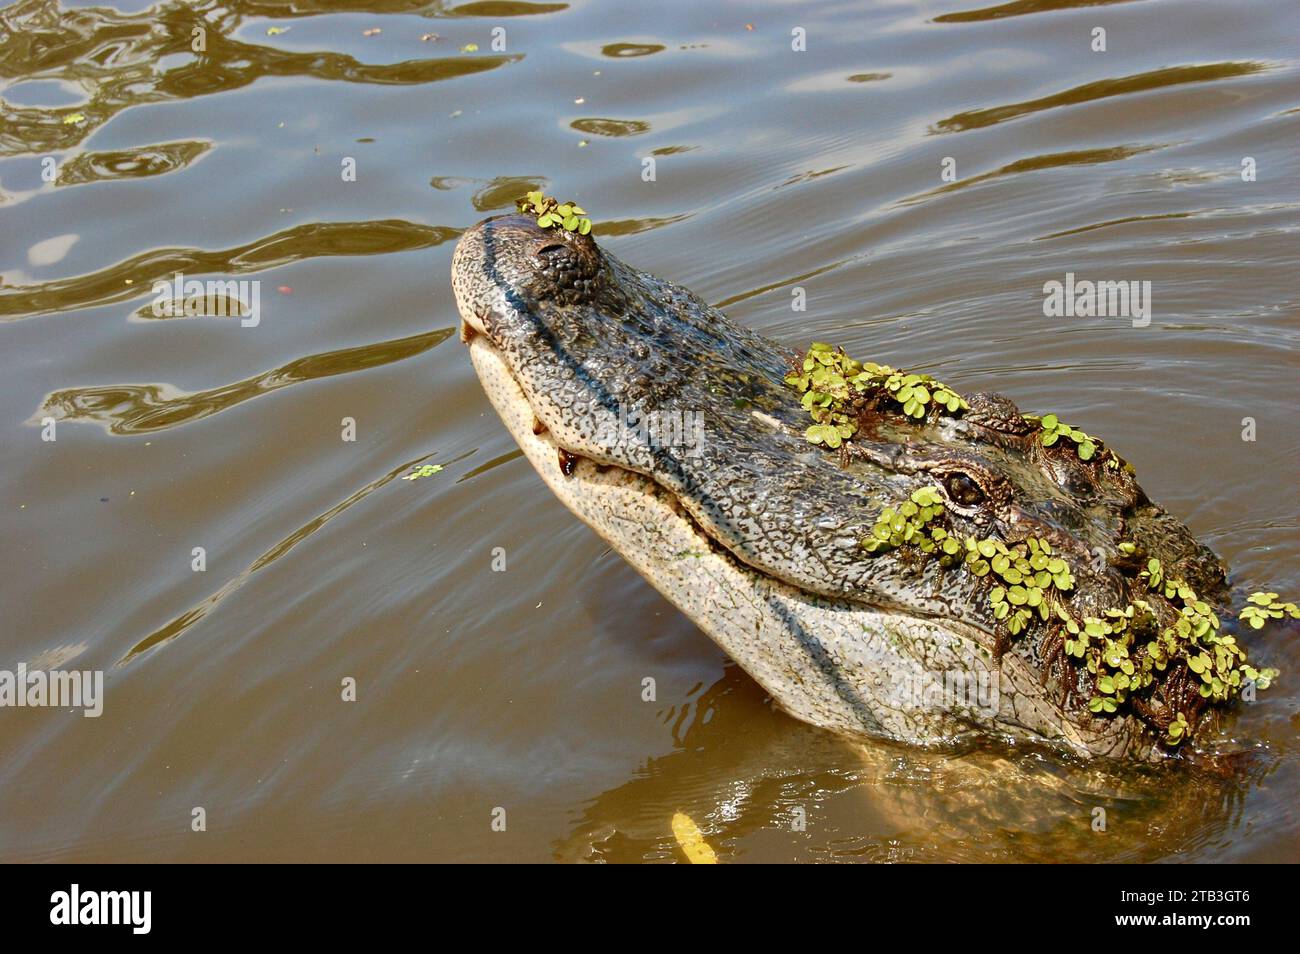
(522, 689)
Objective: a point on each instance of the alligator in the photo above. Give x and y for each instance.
(676, 434)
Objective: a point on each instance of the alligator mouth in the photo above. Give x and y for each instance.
(610, 498)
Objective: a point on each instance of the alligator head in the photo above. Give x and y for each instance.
(672, 431)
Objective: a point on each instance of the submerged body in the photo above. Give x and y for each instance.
(673, 433)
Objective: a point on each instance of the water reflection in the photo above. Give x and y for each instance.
(1019, 8)
(611, 127)
(1056, 160)
(180, 624)
(823, 797)
(1102, 89)
(136, 275)
(123, 60)
(623, 50)
(138, 162)
(145, 408)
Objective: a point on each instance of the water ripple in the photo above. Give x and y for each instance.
(145, 408)
(118, 58)
(1102, 89)
(124, 281)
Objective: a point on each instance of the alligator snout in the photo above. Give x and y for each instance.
(522, 261)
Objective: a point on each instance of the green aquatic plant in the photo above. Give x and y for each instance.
(1054, 430)
(1031, 579)
(1265, 606)
(1162, 662)
(551, 213)
(1218, 665)
(1178, 730)
(835, 387)
(917, 392)
(824, 383)
(1125, 649)
(908, 523)
(424, 470)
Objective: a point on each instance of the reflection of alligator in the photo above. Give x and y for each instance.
(763, 788)
(756, 535)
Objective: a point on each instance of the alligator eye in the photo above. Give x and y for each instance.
(553, 247)
(962, 489)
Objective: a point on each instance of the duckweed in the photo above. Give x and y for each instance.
(908, 523)
(424, 470)
(1265, 606)
(1160, 662)
(551, 213)
(1054, 430)
(833, 386)
(1030, 580)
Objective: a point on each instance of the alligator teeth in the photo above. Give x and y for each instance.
(538, 426)
(467, 331)
(567, 462)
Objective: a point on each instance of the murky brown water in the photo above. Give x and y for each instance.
(522, 689)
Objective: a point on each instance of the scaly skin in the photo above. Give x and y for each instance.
(572, 343)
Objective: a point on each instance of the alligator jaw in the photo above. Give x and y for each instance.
(834, 663)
